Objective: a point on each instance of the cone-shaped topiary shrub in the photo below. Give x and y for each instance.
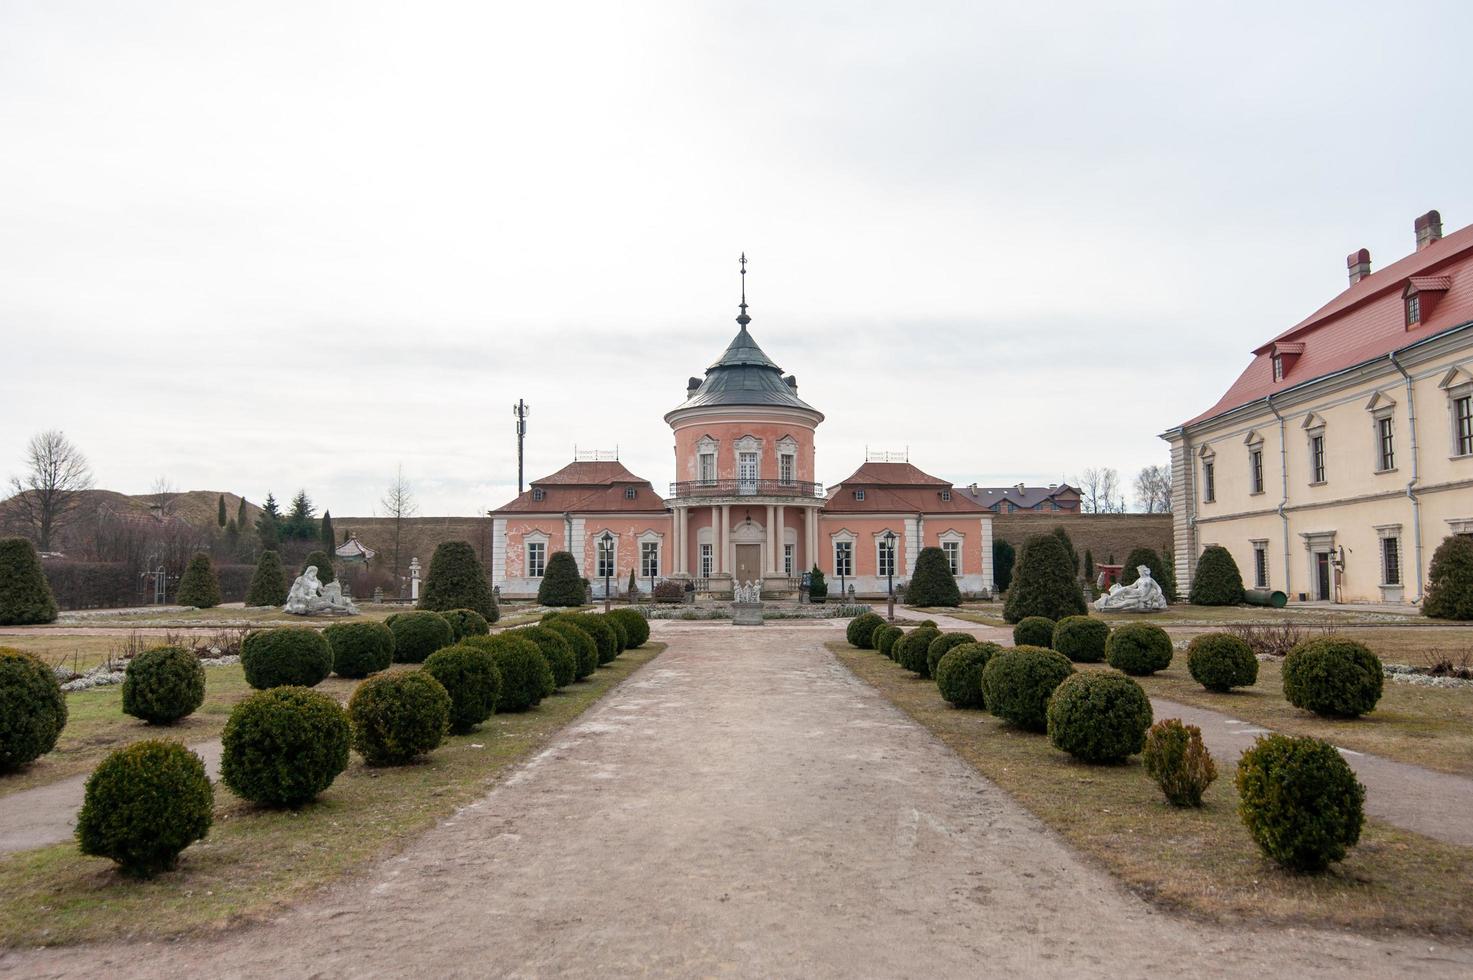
(397, 716)
(1017, 683)
(466, 622)
(25, 595)
(526, 676)
(959, 673)
(1138, 649)
(284, 746)
(1333, 677)
(1221, 661)
(457, 581)
(471, 678)
(562, 585)
(585, 647)
(932, 584)
(818, 589)
(359, 649)
(1217, 582)
(1081, 638)
(937, 648)
(1003, 559)
(419, 634)
(602, 633)
(557, 650)
(287, 655)
(1449, 581)
(636, 626)
(199, 587)
(322, 562)
(1033, 631)
(912, 649)
(1099, 717)
(268, 583)
(1044, 583)
(1177, 759)
(143, 805)
(884, 639)
(163, 685)
(1149, 558)
(32, 709)
(1300, 801)
(861, 630)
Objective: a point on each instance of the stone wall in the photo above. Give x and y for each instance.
(1104, 535)
(419, 536)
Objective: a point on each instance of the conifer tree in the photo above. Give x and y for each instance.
(561, 583)
(1063, 536)
(457, 581)
(1450, 580)
(818, 589)
(1003, 558)
(241, 515)
(932, 584)
(268, 525)
(1217, 582)
(220, 516)
(323, 561)
(1045, 583)
(25, 595)
(300, 524)
(1089, 565)
(199, 587)
(268, 584)
(329, 540)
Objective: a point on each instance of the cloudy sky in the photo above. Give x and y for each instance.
(262, 246)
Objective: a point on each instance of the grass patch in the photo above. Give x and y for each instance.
(1201, 862)
(256, 861)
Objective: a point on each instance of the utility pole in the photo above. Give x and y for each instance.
(520, 410)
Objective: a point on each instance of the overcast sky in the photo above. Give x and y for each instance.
(263, 246)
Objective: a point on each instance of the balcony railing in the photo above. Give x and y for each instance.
(745, 488)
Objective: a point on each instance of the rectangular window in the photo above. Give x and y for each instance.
(606, 558)
(536, 559)
(785, 468)
(705, 561)
(649, 559)
(788, 559)
(953, 551)
(1463, 424)
(884, 558)
(1414, 310)
(945, 494)
(1385, 444)
(1255, 464)
(1317, 458)
(708, 467)
(859, 495)
(1260, 565)
(1391, 561)
(844, 558)
(1209, 482)
(630, 493)
(1278, 368)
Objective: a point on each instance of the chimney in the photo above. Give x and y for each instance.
(1429, 229)
(1359, 264)
(792, 382)
(691, 386)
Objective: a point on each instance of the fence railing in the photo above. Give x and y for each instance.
(745, 488)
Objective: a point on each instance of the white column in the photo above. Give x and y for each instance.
(781, 538)
(726, 538)
(811, 517)
(682, 556)
(772, 545)
(715, 539)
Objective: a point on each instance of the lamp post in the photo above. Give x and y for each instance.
(890, 574)
(608, 545)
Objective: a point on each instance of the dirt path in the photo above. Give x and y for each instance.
(742, 805)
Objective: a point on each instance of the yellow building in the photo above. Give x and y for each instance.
(1343, 455)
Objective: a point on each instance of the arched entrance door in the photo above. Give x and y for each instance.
(746, 551)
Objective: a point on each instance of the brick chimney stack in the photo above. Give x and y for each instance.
(1429, 229)
(1359, 264)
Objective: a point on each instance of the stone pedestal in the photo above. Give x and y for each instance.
(746, 614)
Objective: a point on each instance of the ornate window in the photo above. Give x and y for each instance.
(1463, 425)
(536, 558)
(649, 559)
(706, 459)
(884, 556)
(953, 550)
(1381, 408)
(1260, 564)
(706, 562)
(787, 459)
(844, 559)
(1209, 474)
(1255, 462)
(788, 550)
(607, 558)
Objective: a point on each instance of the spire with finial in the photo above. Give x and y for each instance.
(743, 319)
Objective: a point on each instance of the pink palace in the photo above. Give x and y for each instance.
(745, 505)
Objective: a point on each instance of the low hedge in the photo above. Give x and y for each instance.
(163, 685)
(32, 709)
(557, 650)
(636, 626)
(959, 673)
(937, 648)
(1300, 801)
(621, 635)
(1033, 631)
(283, 746)
(1138, 649)
(585, 647)
(418, 634)
(143, 805)
(359, 649)
(288, 655)
(598, 628)
(397, 716)
(1081, 638)
(861, 630)
(1221, 662)
(1018, 682)
(884, 638)
(911, 649)
(470, 676)
(1333, 677)
(1099, 717)
(465, 622)
(526, 676)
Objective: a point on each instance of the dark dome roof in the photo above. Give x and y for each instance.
(744, 375)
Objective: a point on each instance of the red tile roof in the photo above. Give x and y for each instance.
(1365, 322)
(587, 487)
(892, 488)
(893, 475)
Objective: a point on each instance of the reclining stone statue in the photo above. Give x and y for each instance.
(309, 597)
(1142, 595)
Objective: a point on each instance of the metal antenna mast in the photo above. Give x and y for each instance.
(520, 411)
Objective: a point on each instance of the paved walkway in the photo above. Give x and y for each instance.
(742, 805)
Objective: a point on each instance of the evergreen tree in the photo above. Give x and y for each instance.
(932, 584)
(199, 587)
(561, 583)
(1147, 557)
(220, 515)
(268, 584)
(323, 561)
(301, 523)
(632, 584)
(240, 514)
(1003, 557)
(232, 536)
(25, 595)
(1063, 536)
(818, 589)
(268, 525)
(1089, 565)
(457, 581)
(1045, 583)
(1217, 582)
(1168, 575)
(328, 539)
(1449, 581)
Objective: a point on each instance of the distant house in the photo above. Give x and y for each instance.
(1058, 498)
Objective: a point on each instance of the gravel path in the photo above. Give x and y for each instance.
(742, 805)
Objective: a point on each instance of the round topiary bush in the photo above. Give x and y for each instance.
(419, 634)
(621, 636)
(199, 587)
(143, 805)
(1138, 649)
(1044, 583)
(359, 649)
(562, 584)
(557, 650)
(287, 655)
(163, 685)
(470, 676)
(959, 673)
(1217, 582)
(268, 582)
(602, 633)
(465, 622)
(1221, 662)
(1176, 758)
(1300, 801)
(1017, 683)
(932, 584)
(912, 647)
(884, 638)
(1081, 638)
(456, 580)
(937, 648)
(585, 647)
(861, 630)
(284, 746)
(526, 676)
(1099, 717)
(636, 626)
(1449, 580)
(25, 595)
(1333, 677)
(1033, 631)
(397, 716)
(32, 709)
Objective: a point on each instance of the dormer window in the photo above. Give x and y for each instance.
(945, 494)
(538, 493)
(630, 493)
(1278, 362)
(1414, 309)
(1282, 357)
(1420, 297)
(859, 495)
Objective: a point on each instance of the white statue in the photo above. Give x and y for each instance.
(746, 592)
(308, 597)
(1142, 595)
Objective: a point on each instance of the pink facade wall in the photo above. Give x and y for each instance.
(626, 552)
(864, 529)
(727, 433)
(517, 529)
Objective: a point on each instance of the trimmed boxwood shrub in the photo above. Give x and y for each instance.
(419, 634)
(932, 584)
(163, 685)
(323, 563)
(1177, 759)
(143, 805)
(937, 648)
(1333, 677)
(1138, 649)
(602, 633)
(268, 583)
(284, 746)
(818, 589)
(884, 638)
(636, 626)
(1081, 638)
(32, 709)
(397, 716)
(621, 636)
(1300, 801)
(1149, 558)
(1217, 582)
(25, 596)
(1017, 683)
(1099, 717)
(585, 647)
(359, 649)
(1044, 583)
(466, 622)
(526, 676)
(959, 673)
(1033, 631)
(562, 585)
(1449, 580)
(470, 676)
(912, 647)
(557, 650)
(457, 580)
(287, 655)
(1221, 661)
(861, 630)
(199, 587)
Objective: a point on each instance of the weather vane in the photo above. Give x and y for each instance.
(744, 319)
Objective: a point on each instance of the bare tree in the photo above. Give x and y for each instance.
(398, 503)
(1153, 489)
(1099, 488)
(165, 496)
(45, 496)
